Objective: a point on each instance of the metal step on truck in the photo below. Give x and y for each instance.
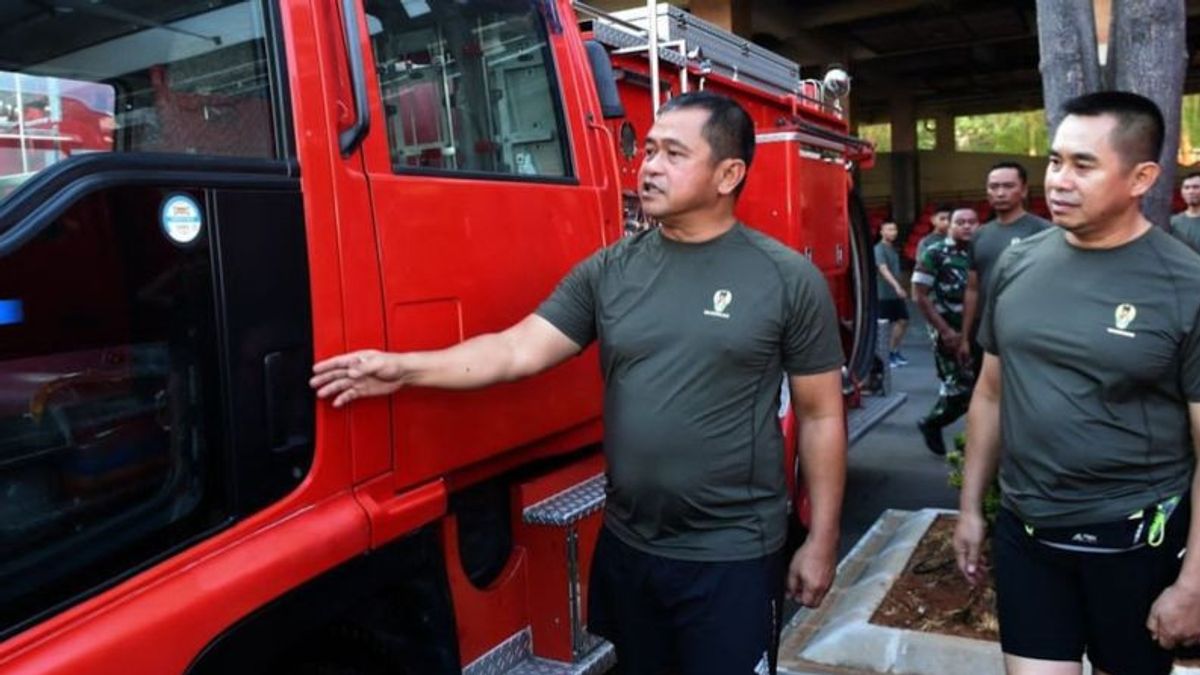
(199, 197)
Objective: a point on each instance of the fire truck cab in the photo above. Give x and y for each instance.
(197, 198)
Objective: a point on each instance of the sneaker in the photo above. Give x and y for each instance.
(893, 362)
(933, 438)
(900, 360)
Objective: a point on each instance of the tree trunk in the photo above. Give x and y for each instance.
(1148, 56)
(1069, 62)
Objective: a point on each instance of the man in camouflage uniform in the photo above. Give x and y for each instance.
(939, 285)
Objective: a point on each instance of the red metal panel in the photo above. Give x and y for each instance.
(465, 256)
(159, 621)
(486, 616)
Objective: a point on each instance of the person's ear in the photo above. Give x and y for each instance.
(730, 174)
(1143, 177)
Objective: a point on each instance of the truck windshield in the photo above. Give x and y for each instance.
(85, 76)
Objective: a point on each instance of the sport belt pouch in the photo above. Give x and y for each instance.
(1145, 527)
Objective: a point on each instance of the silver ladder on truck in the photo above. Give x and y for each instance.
(693, 44)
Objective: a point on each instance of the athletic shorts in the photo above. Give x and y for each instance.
(1056, 604)
(680, 616)
(893, 310)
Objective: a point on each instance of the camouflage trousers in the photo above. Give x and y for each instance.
(956, 382)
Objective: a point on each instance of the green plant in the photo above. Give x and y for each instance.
(955, 459)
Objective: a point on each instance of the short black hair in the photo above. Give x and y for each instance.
(1138, 136)
(948, 208)
(729, 129)
(1020, 169)
(1194, 174)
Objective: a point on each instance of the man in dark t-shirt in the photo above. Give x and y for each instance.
(696, 322)
(893, 298)
(1007, 189)
(1089, 401)
(1185, 225)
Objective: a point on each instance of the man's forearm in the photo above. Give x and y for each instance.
(983, 450)
(823, 461)
(889, 278)
(478, 362)
(927, 309)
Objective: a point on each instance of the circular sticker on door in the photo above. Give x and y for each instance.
(181, 219)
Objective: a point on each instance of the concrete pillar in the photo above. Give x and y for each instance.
(945, 132)
(905, 185)
(732, 15)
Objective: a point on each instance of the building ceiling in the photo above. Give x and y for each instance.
(952, 56)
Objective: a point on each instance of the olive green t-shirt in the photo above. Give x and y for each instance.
(885, 254)
(1186, 229)
(1100, 356)
(694, 340)
(991, 239)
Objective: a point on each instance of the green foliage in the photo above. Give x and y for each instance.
(927, 134)
(955, 459)
(1189, 142)
(879, 134)
(1015, 133)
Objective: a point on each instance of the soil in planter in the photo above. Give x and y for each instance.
(932, 596)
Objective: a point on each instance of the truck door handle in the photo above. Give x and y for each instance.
(349, 139)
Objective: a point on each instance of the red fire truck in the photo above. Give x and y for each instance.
(201, 195)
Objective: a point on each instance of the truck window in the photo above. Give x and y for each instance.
(109, 402)
(126, 76)
(468, 87)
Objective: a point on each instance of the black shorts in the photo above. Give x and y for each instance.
(695, 618)
(1056, 604)
(893, 310)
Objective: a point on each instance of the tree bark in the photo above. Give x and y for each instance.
(1069, 64)
(1148, 56)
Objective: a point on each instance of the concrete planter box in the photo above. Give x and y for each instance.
(838, 638)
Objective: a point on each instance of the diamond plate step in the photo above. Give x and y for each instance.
(515, 656)
(569, 506)
(874, 410)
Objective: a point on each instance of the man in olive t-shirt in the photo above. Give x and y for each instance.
(697, 321)
(1185, 225)
(1007, 189)
(1089, 401)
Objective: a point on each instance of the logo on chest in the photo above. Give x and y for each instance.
(721, 301)
(1123, 317)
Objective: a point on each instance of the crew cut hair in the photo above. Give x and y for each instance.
(1017, 166)
(1138, 135)
(729, 130)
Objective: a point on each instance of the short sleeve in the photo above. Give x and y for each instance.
(1189, 372)
(925, 272)
(811, 343)
(987, 325)
(571, 308)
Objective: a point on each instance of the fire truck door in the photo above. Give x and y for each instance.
(483, 199)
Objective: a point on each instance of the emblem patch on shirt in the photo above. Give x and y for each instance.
(1124, 316)
(1014, 241)
(722, 299)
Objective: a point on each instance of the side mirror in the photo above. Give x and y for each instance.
(606, 83)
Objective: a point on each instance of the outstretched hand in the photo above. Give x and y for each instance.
(356, 375)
